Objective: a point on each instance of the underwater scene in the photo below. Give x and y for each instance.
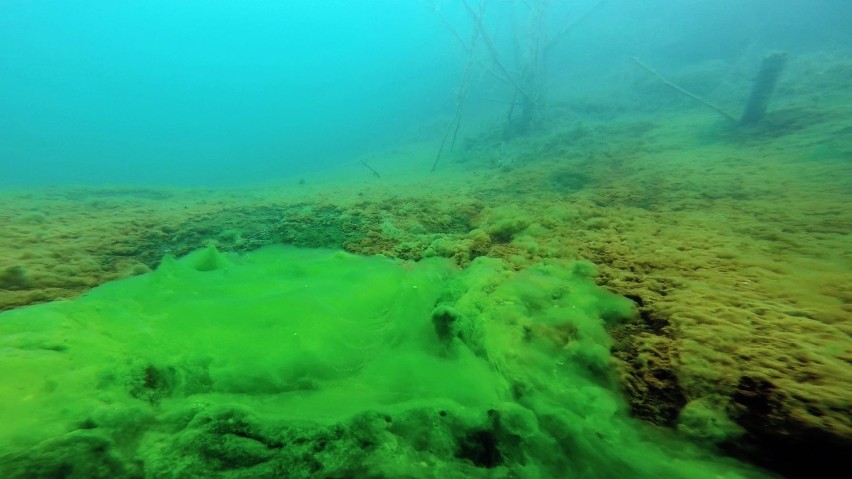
(414, 239)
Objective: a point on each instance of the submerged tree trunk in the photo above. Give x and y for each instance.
(526, 77)
(763, 88)
(529, 95)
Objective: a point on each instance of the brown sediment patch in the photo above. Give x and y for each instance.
(737, 252)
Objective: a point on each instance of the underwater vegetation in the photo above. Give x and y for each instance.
(288, 362)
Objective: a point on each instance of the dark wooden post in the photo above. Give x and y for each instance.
(763, 87)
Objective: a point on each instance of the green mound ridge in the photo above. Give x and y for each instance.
(289, 362)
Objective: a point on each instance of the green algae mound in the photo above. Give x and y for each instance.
(289, 362)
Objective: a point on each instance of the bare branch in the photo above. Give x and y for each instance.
(461, 96)
(449, 26)
(492, 50)
(570, 26)
(375, 173)
(680, 90)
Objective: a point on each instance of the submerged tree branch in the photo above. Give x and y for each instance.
(461, 96)
(489, 44)
(682, 91)
(375, 173)
(570, 26)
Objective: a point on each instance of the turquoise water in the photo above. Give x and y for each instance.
(190, 92)
(221, 92)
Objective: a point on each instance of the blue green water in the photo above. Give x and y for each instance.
(222, 92)
(189, 92)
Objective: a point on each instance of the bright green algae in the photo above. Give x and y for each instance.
(312, 363)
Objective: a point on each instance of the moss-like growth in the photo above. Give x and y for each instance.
(231, 237)
(707, 421)
(504, 223)
(316, 363)
(32, 218)
(506, 229)
(15, 278)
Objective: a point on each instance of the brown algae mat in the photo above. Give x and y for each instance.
(735, 247)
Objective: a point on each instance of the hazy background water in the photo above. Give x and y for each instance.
(214, 92)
